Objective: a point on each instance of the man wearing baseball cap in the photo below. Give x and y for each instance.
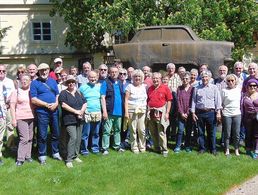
(44, 95)
(58, 63)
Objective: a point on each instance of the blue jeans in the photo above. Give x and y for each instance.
(45, 119)
(187, 126)
(93, 128)
(231, 124)
(206, 121)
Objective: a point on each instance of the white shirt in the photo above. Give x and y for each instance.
(137, 96)
(231, 102)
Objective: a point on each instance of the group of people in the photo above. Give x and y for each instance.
(140, 109)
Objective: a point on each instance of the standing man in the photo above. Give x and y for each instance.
(6, 88)
(221, 83)
(83, 78)
(173, 83)
(206, 106)
(147, 76)
(103, 72)
(44, 95)
(252, 70)
(112, 106)
(58, 64)
(159, 104)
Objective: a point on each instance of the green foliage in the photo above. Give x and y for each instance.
(88, 20)
(3, 32)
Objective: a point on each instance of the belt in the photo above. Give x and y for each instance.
(205, 110)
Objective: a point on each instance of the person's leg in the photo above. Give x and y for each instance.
(141, 132)
(236, 125)
(85, 138)
(23, 130)
(248, 136)
(226, 123)
(78, 138)
(95, 136)
(180, 132)
(43, 121)
(117, 130)
(2, 131)
(71, 146)
(107, 127)
(154, 134)
(9, 130)
(31, 127)
(133, 134)
(188, 132)
(55, 133)
(211, 130)
(201, 132)
(162, 138)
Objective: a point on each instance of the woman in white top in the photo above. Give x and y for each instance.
(231, 113)
(135, 111)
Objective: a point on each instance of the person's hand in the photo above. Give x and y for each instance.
(105, 115)
(126, 115)
(166, 116)
(184, 116)
(218, 117)
(195, 118)
(14, 123)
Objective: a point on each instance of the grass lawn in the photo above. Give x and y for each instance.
(128, 173)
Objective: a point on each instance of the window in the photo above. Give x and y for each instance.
(41, 31)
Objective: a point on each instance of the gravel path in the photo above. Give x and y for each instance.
(249, 187)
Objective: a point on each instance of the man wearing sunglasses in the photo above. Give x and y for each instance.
(103, 72)
(6, 88)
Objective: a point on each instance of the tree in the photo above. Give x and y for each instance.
(89, 20)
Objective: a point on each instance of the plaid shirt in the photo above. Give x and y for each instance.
(174, 82)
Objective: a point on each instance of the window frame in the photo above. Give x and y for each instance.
(41, 31)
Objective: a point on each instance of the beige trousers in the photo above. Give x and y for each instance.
(158, 134)
(137, 125)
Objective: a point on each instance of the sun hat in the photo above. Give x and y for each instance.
(70, 78)
(43, 66)
(253, 80)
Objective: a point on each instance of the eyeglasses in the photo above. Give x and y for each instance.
(3, 71)
(238, 68)
(20, 72)
(230, 80)
(69, 82)
(103, 69)
(58, 63)
(123, 74)
(185, 78)
(254, 86)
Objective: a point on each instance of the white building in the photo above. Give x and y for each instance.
(35, 37)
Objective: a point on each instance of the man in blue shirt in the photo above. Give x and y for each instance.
(206, 106)
(44, 95)
(112, 107)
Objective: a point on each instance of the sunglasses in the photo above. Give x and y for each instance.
(230, 80)
(103, 69)
(20, 72)
(122, 74)
(3, 71)
(253, 86)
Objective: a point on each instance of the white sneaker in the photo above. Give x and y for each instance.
(105, 152)
(78, 160)
(69, 165)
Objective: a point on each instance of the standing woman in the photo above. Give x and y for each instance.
(250, 108)
(135, 111)
(73, 106)
(231, 113)
(22, 118)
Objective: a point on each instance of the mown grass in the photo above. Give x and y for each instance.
(128, 173)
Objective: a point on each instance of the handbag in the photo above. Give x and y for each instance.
(92, 116)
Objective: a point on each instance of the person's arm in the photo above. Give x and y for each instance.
(168, 110)
(104, 108)
(54, 106)
(127, 94)
(195, 118)
(70, 109)
(39, 102)
(13, 102)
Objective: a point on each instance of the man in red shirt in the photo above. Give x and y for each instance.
(159, 104)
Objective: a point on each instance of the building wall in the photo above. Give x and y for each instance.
(18, 46)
